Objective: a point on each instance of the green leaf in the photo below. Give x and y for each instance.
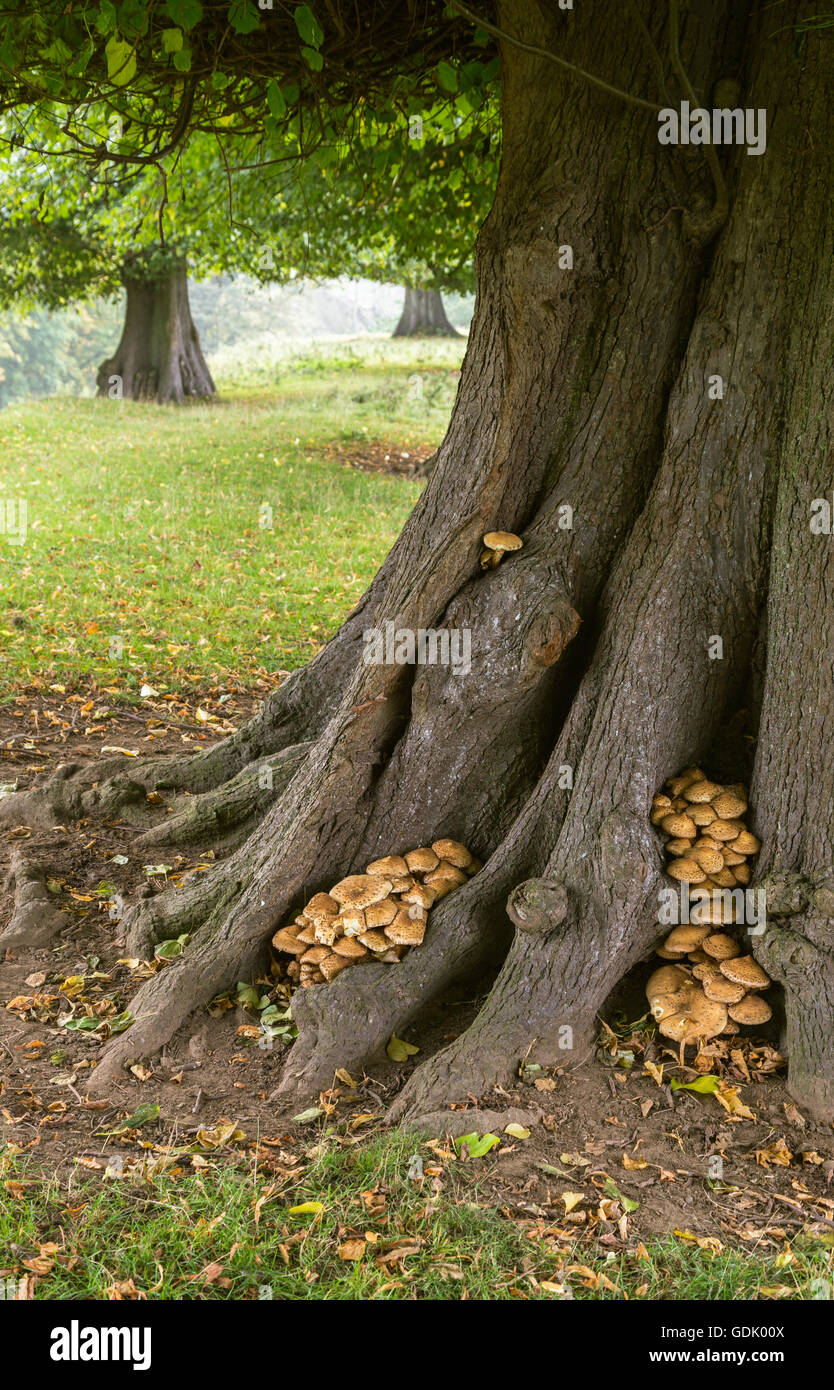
(182, 60)
(400, 1051)
(169, 950)
(704, 1085)
(119, 1024)
(247, 995)
(307, 1116)
(477, 1144)
(243, 16)
(121, 62)
(275, 99)
(142, 1115)
(81, 1025)
(172, 40)
(185, 13)
(308, 26)
(611, 1190)
(447, 76)
(314, 58)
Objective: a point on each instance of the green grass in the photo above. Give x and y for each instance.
(228, 1233)
(151, 526)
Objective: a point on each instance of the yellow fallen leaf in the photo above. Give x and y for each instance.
(307, 1209)
(517, 1131)
(571, 1199)
(656, 1072)
(400, 1051)
(736, 1109)
(113, 748)
(352, 1249)
(633, 1163)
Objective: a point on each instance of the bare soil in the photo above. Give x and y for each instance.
(594, 1120)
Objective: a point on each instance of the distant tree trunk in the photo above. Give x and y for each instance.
(423, 316)
(159, 357)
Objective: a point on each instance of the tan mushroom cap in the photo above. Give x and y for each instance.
(725, 991)
(724, 878)
(713, 912)
(698, 957)
(725, 829)
(321, 907)
(660, 800)
(392, 866)
(308, 936)
(502, 540)
(314, 955)
(421, 895)
(666, 954)
(752, 1009)
(679, 826)
(710, 860)
(375, 941)
(332, 964)
(729, 806)
(745, 843)
(678, 846)
(380, 914)
(422, 860)
(444, 880)
(729, 1029)
(349, 947)
(453, 853)
(746, 971)
(742, 873)
(702, 814)
(732, 858)
(687, 937)
(284, 941)
(706, 970)
(667, 979)
(721, 947)
(686, 871)
(404, 931)
(404, 884)
(360, 890)
(688, 1016)
(684, 779)
(702, 791)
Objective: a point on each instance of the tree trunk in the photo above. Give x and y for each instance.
(423, 316)
(643, 402)
(159, 357)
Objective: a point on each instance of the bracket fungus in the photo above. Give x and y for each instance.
(378, 915)
(712, 987)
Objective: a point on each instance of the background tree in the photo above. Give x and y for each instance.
(587, 382)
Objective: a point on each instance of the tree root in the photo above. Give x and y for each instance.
(224, 815)
(35, 921)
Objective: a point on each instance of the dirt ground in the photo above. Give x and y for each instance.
(747, 1167)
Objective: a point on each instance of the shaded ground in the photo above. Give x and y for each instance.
(606, 1128)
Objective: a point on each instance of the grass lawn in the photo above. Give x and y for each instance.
(344, 1219)
(216, 541)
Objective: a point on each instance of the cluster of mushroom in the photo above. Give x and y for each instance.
(378, 915)
(709, 848)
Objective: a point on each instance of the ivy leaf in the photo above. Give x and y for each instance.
(172, 40)
(275, 99)
(314, 58)
(308, 27)
(121, 61)
(182, 60)
(185, 13)
(243, 16)
(447, 76)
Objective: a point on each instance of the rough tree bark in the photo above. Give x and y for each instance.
(159, 357)
(592, 386)
(423, 316)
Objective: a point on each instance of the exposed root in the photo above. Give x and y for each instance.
(34, 921)
(223, 815)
